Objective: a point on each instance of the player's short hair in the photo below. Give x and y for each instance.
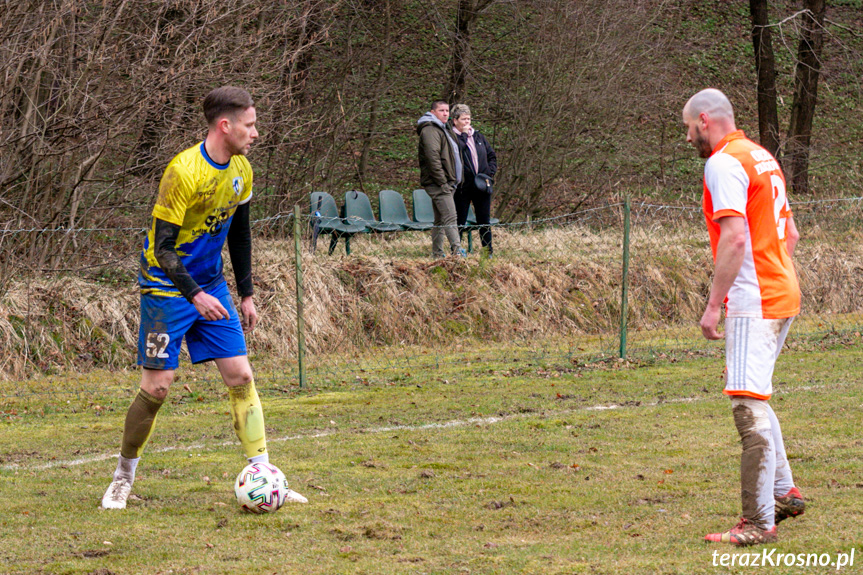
(438, 103)
(458, 111)
(226, 101)
(711, 101)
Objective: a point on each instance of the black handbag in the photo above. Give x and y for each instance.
(483, 183)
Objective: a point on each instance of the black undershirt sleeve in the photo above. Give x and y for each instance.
(240, 248)
(165, 250)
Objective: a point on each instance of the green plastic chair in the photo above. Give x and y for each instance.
(329, 222)
(422, 207)
(358, 210)
(391, 209)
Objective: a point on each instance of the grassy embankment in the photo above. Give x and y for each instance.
(551, 284)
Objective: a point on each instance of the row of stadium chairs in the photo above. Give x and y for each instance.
(357, 217)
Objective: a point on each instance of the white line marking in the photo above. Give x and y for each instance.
(445, 425)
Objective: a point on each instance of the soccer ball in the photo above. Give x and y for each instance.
(261, 488)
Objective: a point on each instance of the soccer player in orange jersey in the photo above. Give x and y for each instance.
(752, 235)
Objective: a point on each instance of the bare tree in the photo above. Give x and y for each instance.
(377, 88)
(567, 100)
(806, 75)
(765, 67)
(466, 17)
(96, 97)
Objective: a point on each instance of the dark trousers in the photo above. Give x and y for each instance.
(482, 208)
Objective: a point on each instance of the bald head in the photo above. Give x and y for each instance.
(711, 102)
(709, 117)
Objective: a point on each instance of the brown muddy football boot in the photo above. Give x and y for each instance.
(789, 505)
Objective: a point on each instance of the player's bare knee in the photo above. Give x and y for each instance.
(158, 391)
(243, 377)
(157, 382)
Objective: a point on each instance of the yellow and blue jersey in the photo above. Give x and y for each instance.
(201, 197)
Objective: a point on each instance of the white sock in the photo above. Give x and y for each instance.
(783, 482)
(262, 458)
(126, 469)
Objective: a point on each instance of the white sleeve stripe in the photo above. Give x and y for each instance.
(727, 182)
(246, 201)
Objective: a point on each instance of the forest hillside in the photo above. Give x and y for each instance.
(580, 99)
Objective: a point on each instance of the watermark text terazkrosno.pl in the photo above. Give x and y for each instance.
(775, 558)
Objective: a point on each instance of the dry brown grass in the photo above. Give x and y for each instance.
(553, 282)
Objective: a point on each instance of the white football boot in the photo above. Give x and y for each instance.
(294, 497)
(117, 494)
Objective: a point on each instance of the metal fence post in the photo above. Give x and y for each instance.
(301, 326)
(624, 283)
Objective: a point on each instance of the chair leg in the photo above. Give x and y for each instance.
(314, 232)
(469, 242)
(334, 240)
(348, 245)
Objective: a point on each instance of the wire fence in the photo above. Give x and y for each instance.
(553, 294)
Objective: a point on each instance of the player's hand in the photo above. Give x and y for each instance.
(709, 323)
(249, 314)
(210, 307)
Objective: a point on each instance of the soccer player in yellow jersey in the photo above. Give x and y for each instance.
(753, 235)
(203, 201)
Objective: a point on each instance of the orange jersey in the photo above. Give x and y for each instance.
(742, 179)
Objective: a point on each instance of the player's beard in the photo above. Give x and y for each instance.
(701, 144)
(238, 150)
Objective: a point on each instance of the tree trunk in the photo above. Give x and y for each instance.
(377, 90)
(765, 67)
(460, 52)
(468, 11)
(805, 93)
(299, 62)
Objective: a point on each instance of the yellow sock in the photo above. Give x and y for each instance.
(248, 418)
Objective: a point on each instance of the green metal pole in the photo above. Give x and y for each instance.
(624, 289)
(301, 326)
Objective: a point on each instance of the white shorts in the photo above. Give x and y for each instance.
(751, 347)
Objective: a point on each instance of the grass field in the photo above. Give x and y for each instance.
(483, 465)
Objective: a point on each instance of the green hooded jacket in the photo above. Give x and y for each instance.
(438, 159)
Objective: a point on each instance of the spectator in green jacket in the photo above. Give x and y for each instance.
(440, 174)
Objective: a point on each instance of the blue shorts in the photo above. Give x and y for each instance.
(165, 320)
